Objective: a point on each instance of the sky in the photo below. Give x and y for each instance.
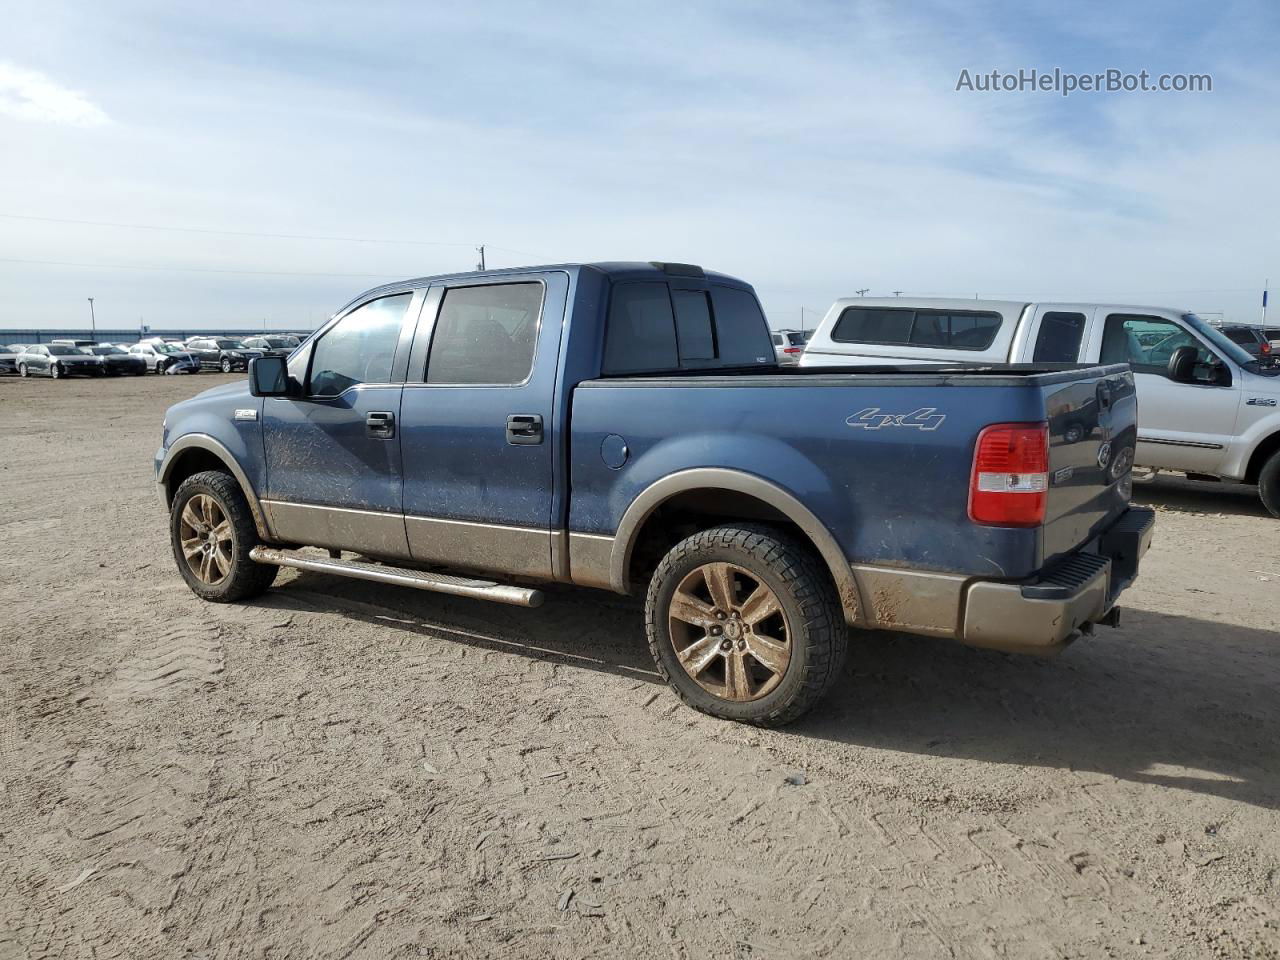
(297, 153)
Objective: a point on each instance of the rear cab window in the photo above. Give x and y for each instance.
(892, 326)
(1059, 338)
(655, 326)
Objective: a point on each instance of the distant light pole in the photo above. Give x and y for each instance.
(862, 292)
(93, 323)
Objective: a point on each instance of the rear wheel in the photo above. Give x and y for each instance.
(1269, 484)
(744, 623)
(212, 532)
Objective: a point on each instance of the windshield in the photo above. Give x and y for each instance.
(107, 351)
(229, 344)
(165, 348)
(1220, 341)
(62, 350)
(281, 342)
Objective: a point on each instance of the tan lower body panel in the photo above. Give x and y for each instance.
(489, 547)
(913, 601)
(365, 531)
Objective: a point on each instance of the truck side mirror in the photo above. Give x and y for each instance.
(269, 377)
(1182, 365)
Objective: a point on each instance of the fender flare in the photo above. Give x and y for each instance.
(202, 441)
(719, 478)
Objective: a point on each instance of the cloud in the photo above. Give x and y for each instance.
(28, 95)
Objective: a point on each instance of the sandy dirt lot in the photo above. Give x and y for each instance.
(347, 770)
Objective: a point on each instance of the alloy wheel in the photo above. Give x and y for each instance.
(729, 632)
(207, 542)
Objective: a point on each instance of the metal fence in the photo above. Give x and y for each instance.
(102, 335)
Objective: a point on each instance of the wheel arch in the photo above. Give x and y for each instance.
(196, 452)
(1261, 454)
(742, 496)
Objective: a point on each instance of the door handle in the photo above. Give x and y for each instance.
(524, 428)
(380, 424)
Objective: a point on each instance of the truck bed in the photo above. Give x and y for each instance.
(882, 455)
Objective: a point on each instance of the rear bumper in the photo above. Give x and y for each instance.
(1039, 616)
(1045, 615)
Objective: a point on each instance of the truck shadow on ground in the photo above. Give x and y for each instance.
(1196, 496)
(1166, 700)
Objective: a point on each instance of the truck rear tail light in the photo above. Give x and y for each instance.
(1266, 347)
(1010, 478)
(791, 350)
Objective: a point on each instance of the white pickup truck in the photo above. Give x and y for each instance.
(1206, 407)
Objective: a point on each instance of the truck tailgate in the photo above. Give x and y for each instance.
(1093, 428)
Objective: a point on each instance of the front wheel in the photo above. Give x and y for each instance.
(212, 532)
(745, 623)
(226, 365)
(1269, 484)
(55, 371)
(22, 370)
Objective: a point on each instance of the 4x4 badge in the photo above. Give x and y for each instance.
(926, 418)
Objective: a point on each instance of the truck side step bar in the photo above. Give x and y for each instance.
(419, 580)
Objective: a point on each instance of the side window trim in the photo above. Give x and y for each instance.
(408, 320)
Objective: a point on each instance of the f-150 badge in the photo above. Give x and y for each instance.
(926, 418)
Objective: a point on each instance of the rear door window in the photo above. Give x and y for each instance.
(1059, 338)
(486, 334)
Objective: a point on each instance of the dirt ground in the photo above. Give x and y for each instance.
(348, 770)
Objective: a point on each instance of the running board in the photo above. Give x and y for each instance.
(419, 580)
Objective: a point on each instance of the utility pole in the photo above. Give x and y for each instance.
(897, 293)
(480, 250)
(93, 323)
(1265, 284)
(862, 292)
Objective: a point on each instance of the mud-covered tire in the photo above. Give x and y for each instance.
(817, 636)
(1269, 484)
(245, 578)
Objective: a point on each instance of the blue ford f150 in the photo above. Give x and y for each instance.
(625, 426)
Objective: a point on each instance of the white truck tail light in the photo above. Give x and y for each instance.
(1010, 480)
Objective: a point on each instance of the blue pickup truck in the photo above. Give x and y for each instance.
(625, 426)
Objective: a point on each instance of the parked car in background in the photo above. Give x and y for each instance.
(789, 345)
(1207, 407)
(1252, 339)
(118, 362)
(221, 353)
(164, 357)
(59, 360)
(474, 422)
(273, 345)
(69, 342)
(9, 358)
